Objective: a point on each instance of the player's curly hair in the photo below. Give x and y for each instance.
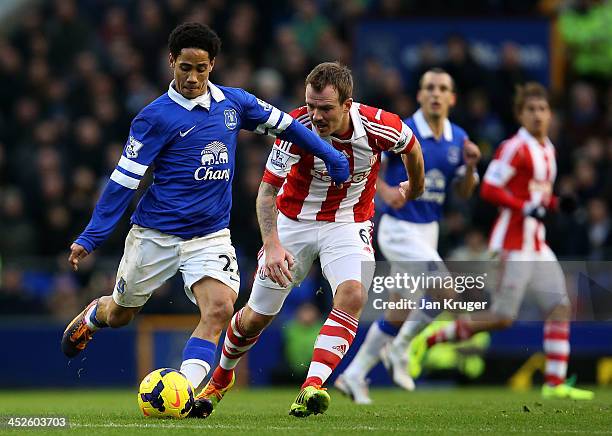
(335, 74)
(194, 35)
(528, 90)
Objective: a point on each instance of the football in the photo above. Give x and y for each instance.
(165, 393)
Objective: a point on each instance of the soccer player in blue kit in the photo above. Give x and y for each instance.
(408, 231)
(181, 223)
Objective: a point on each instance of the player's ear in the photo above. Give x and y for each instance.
(519, 117)
(346, 106)
(171, 60)
(453, 99)
(420, 97)
(212, 65)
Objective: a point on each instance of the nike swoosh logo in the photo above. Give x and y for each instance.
(176, 403)
(184, 134)
(231, 278)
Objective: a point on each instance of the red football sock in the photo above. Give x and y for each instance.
(334, 340)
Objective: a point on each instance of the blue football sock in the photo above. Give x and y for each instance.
(92, 322)
(386, 327)
(198, 358)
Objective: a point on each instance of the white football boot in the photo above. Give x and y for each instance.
(396, 362)
(356, 389)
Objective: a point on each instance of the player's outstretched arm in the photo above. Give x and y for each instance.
(110, 207)
(141, 148)
(263, 118)
(415, 167)
(467, 183)
(278, 260)
(336, 163)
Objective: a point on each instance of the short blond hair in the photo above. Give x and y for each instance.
(335, 74)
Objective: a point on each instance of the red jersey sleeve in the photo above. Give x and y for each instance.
(501, 169)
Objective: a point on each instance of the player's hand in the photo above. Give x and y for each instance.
(392, 196)
(278, 264)
(471, 153)
(536, 211)
(77, 252)
(338, 168)
(407, 192)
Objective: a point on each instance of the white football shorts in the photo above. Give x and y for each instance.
(340, 247)
(533, 271)
(151, 257)
(410, 248)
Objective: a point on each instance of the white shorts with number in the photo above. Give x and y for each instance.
(533, 271)
(152, 257)
(340, 247)
(410, 248)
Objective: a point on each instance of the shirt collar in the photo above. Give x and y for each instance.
(203, 100)
(216, 92)
(523, 133)
(424, 129)
(358, 129)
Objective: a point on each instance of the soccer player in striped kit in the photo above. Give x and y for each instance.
(519, 180)
(302, 216)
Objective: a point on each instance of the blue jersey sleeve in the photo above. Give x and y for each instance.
(263, 118)
(142, 147)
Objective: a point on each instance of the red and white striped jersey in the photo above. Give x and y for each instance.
(526, 170)
(306, 191)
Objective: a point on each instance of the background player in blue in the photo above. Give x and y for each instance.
(189, 134)
(408, 231)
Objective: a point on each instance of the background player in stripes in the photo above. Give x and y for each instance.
(520, 181)
(302, 216)
(189, 134)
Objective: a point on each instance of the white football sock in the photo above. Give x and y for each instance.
(368, 354)
(414, 324)
(195, 370)
(88, 321)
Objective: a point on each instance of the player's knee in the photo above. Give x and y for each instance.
(219, 312)
(350, 297)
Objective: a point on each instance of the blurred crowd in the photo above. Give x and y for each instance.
(74, 74)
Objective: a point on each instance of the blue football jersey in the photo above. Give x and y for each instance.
(443, 160)
(191, 144)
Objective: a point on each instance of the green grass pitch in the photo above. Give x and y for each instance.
(493, 410)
